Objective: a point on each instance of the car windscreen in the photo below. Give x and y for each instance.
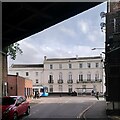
(8, 100)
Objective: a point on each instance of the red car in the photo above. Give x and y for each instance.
(14, 106)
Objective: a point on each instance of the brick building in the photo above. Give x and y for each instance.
(112, 59)
(19, 86)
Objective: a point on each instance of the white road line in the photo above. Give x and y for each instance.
(80, 115)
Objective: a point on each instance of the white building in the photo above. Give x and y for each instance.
(80, 74)
(73, 74)
(31, 71)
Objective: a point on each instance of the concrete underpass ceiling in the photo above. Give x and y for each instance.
(22, 19)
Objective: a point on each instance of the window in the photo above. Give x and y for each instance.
(50, 78)
(80, 65)
(88, 77)
(70, 65)
(60, 66)
(60, 88)
(96, 76)
(51, 88)
(69, 88)
(97, 65)
(60, 76)
(94, 88)
(88, 65)
(8, 100)
(83, 88)
(51, 66)
(36, 80)
(27, 73)
(70, 76)
(36, 73)
(24, 99)
(80, 77)
(25, 91)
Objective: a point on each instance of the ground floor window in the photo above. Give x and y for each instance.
(83, 88)
(70, 88)
(25, 91)
(51, 88)
(94, 88)
(60, 88)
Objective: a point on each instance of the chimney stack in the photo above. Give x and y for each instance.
(76, 56)
(45, 57)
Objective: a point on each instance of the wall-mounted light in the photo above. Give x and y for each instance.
(102, 15)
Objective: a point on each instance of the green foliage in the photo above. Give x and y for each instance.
(12, 50)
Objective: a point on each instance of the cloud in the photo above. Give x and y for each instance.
(68, 31)
(92, 37)
(72, 37)
(83, 26)
(35, 54)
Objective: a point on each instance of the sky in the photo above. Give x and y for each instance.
(74, 36)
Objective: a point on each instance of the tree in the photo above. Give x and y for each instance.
(12, 50)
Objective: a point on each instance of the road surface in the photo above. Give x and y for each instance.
(60, 107)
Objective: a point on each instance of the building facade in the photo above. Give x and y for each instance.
(112, 59)
(29, 71)
(73, 74)
(65, 75)
(19, 86)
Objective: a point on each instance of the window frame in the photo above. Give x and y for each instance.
(51, 66)
(88, 65)
(27, 73)
(80, 65)
(36, 81)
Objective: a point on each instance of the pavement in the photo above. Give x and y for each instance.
(98, 111)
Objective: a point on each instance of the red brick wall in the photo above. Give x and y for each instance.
(12, 80)
(28, 84)
(20, 86)
(11, 85)
(20, 83)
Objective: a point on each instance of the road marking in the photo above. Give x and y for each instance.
(81, 114)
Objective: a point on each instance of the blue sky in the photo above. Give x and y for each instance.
(74, 36)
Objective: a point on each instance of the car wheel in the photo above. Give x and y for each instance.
(28, 111)
(15, 116)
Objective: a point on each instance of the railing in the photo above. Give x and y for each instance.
(89, 81)
(60, 81)
(51, 81)
(70, 81)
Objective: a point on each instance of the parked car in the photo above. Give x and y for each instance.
(14, 106)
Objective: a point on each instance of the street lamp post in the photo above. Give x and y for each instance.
(100, 48)
(103, 81)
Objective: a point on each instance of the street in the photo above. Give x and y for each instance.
(60, 107)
